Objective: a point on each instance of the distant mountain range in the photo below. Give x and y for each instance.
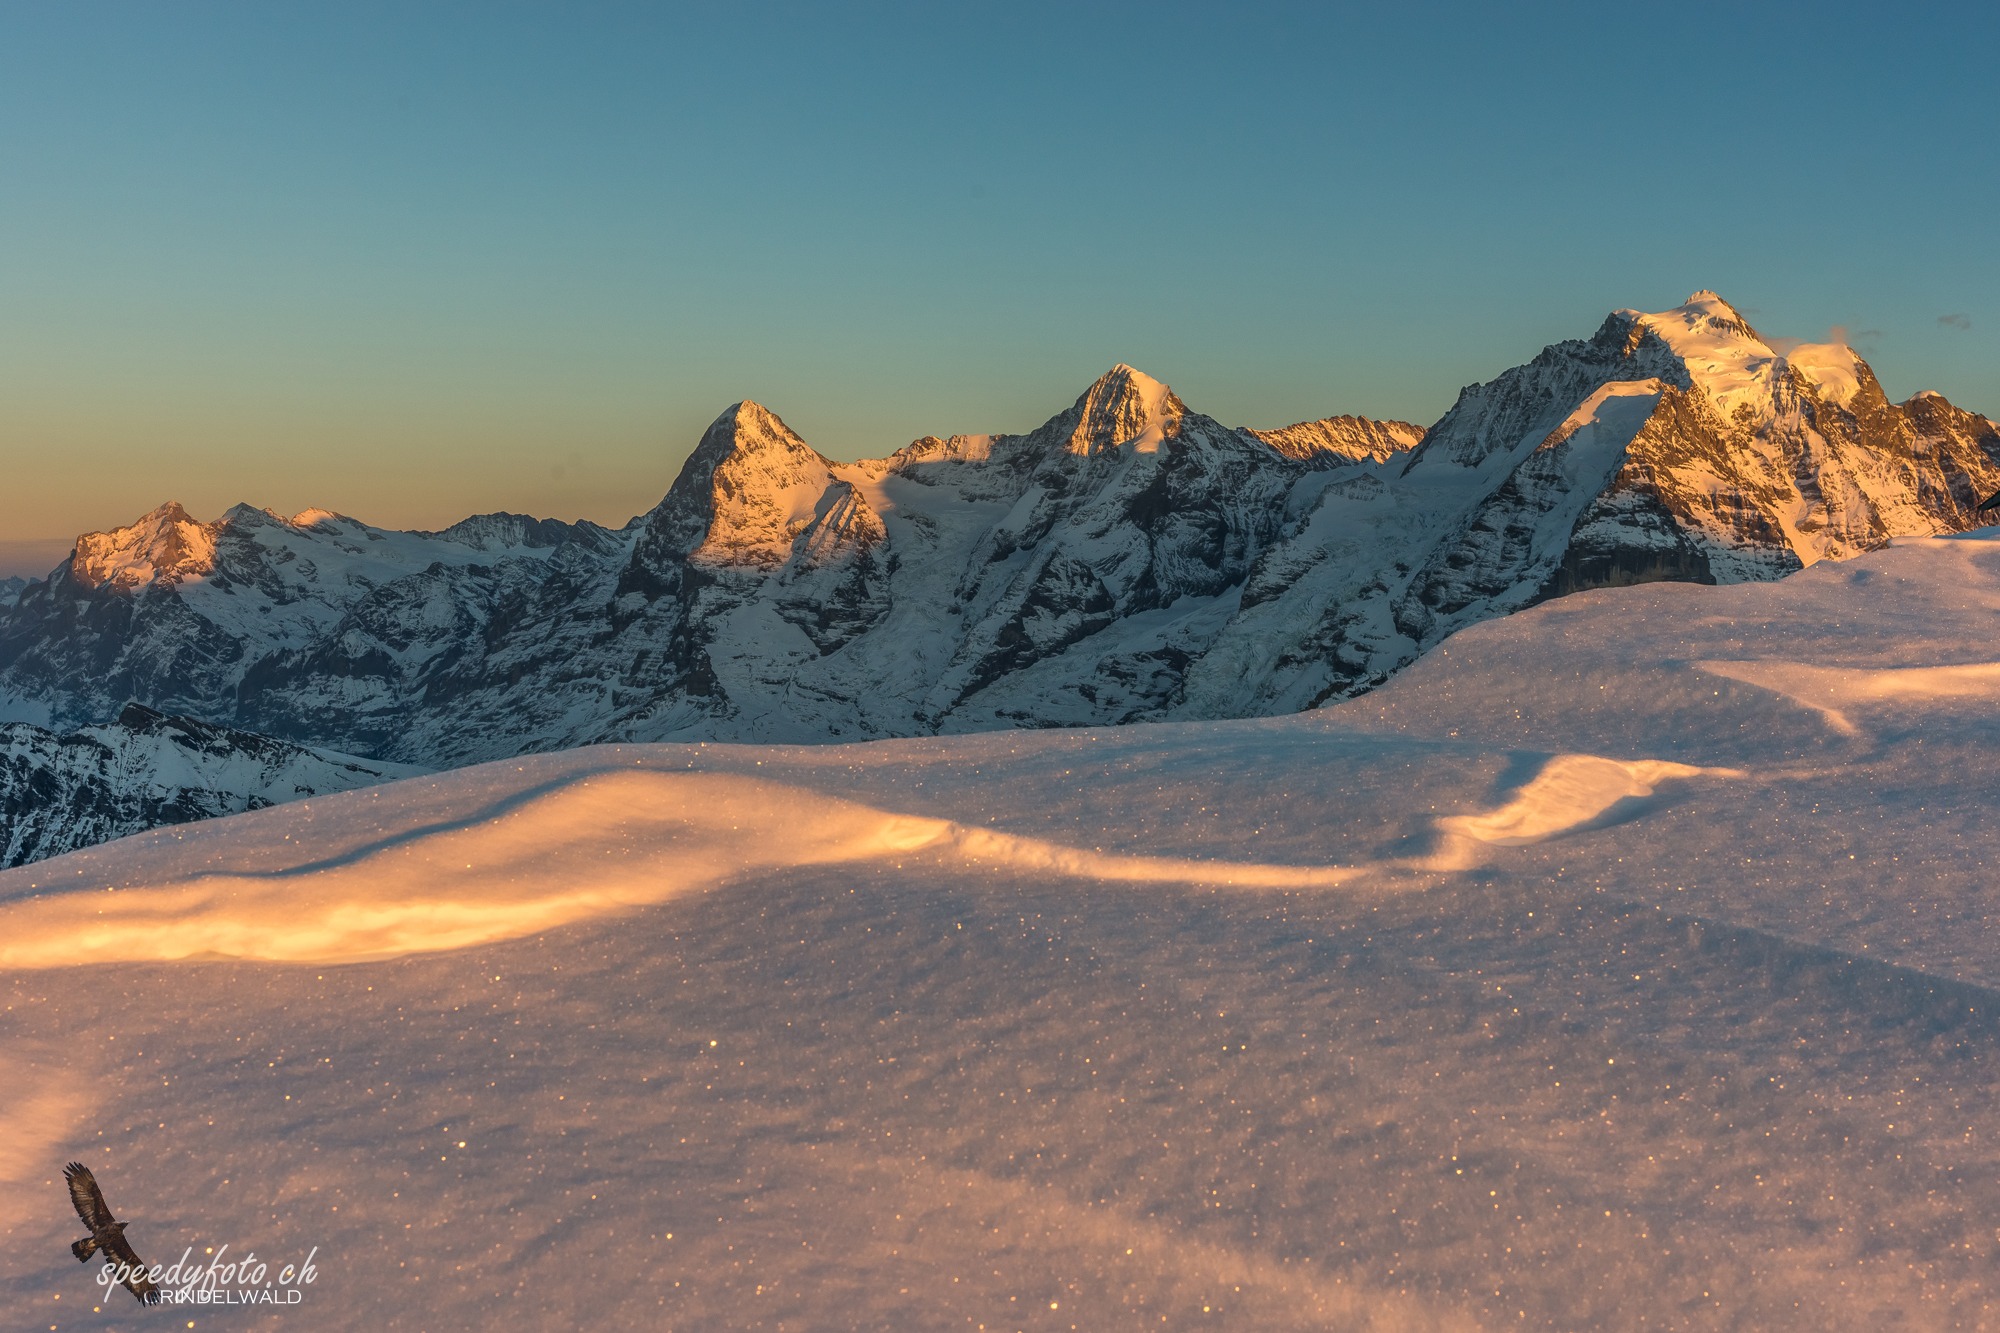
(59, 793)
(1130, 560)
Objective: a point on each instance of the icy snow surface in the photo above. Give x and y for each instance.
(1627, 962)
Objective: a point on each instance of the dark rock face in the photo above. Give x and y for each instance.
(62, 792)
(1128, 560)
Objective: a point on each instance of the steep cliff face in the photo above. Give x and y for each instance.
(62, 792)
(1130, 559)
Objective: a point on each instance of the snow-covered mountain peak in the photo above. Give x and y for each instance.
(1750, 380)
(755, 426)
(931, 449)
(754, 436)
(1124, 407)
(1722, 353)
(1703, 322)
(502, 531)
(748, 489)
(1125, 379)
(245, 512)
(1832, 368)
(247, 516)
(165, 546)
(1708, 306)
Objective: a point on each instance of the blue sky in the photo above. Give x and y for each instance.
(411, 261)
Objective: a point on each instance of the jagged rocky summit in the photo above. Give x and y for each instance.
(1129, 560)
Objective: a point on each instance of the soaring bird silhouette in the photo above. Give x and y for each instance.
(107, 1233)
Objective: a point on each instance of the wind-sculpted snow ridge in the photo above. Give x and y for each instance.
(1129, 560)
(530, 848)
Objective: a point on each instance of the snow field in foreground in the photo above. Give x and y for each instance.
(1629, 974)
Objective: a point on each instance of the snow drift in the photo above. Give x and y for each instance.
(538, 844)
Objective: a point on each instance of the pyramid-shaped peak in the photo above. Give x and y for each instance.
(750, 411)
(1123, 381)
(159, 516)
(750, 486)
(1124, 406)
(751, 427)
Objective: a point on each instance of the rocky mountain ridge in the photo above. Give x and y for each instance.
(1677, 445)
(1131, 559)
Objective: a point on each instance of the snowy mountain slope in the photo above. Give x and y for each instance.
(1676, 446)
(1590, 973)
(772, 593)
(1129, 560)
(923, 591)
(62, 792)
(178, 613)
(1135, 521)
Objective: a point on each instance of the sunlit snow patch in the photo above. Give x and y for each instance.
(1572, 791)
(527, 858)
(1831, 691)
(597, 843)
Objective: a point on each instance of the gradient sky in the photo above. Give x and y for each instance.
(412, 261)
